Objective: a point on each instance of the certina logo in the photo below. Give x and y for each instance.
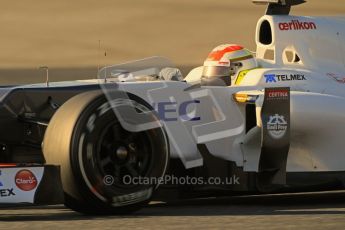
(25, 180)
(271, 78)
(277, 126)
(278, 94)
(297, 25)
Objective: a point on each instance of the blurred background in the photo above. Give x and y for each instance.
(64, 35)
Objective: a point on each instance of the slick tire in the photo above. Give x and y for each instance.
(100, 159)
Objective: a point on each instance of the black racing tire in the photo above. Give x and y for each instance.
(96, 154)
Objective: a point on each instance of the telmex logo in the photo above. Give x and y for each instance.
(297, 25)
(7, 192)
(25, 180)
(270, 78)
(284, 77)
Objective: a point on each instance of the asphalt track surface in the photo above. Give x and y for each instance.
(297, 211)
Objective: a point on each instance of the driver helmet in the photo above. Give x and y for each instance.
(226, 64)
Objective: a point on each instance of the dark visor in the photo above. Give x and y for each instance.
(216, 71)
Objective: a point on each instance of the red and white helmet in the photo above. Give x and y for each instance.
(227, 63)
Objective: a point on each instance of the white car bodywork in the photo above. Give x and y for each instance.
(313, 52)
(264, 141)
(17, 188)
(317, 99)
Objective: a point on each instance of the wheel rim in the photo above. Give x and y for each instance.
(121, 153)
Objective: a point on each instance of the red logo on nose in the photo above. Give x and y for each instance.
(25, 180)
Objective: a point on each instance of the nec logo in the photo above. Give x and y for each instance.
(171, 111)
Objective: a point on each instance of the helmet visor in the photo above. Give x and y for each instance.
(215, 71)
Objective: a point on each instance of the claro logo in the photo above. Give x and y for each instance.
(25, 180)
(297, 25)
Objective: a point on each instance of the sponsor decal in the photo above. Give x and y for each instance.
(171, 111)
(277, 94)
(271, 78)
(277, 126)
(337, 78)
(7, 192)
(297, 25)
(25, 180)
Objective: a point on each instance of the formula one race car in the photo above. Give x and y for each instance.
(237, 125)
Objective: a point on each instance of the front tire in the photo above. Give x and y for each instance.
(99, 159)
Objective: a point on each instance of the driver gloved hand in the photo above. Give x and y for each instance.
(170, 74)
